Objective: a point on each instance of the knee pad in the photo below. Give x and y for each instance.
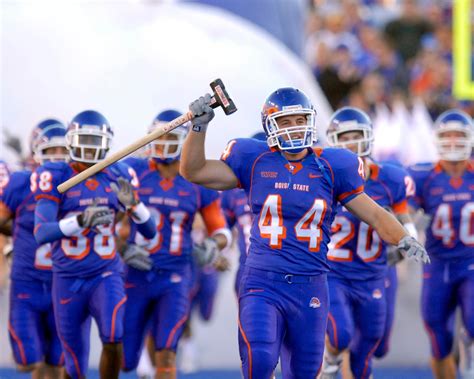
(261, 361)
(441, 341)
(339, 338)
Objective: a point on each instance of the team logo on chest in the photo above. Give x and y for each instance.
(294, 167)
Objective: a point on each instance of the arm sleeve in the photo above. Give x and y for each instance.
(226, 204)
(211, 211)
(348, 176)
(402, 186)
(418, 175)
(10, 194)
(148, 228)
(47, 227)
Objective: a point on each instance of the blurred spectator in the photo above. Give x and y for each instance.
(336, 73)
(389, 65)
(405, 33)
(396, 67)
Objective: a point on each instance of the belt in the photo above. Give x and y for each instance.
(287, 278)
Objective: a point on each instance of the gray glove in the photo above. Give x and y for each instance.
(411, 248)
(206, 252)
(137, 257)
(393, 255)
(202, 112)
(124, 192)
(95, 215)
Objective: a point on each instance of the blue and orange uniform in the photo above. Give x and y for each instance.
(87, 271)
(448, 282)
(160, 298)
(283, 294)
(237, 212)
(31, 326)
(357, 281)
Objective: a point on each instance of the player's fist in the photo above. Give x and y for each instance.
(124, 192)
(393, 255)
(206, 252)
(95, 215)
(221, 263)
(202, 112)
(411, 248)
(137, 257)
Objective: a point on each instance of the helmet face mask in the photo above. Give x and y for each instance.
(356, 122)
(296, 135)
(453, 136)
(89, 137)
(48, 142)
(291, 138)
(167, 148)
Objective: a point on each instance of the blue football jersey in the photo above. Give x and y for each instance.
(293, 203)
(449, 202)
(356, 251)
(92, 250)
(174, 204)
(237, 213)
(30, 261)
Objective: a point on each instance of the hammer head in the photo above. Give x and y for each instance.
(222, 98)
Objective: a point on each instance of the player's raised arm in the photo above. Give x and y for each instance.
(194, 166)
(387, 226)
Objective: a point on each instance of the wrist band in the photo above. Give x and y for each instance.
(200, 128)
(139, 213)
(69, 226)
(227, 234)
(410, 228)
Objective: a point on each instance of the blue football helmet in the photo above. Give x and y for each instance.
(48, 134)
(454, 148)
(167, 149)
(286, 102)
(89, 137)
(351, 119)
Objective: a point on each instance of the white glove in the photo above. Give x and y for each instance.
(124, 192)
(206, 252)
(412, 249)
(202, 112)
(95, 215)
(137, 257)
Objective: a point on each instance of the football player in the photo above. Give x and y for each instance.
(237, 211)
(33, 337)
(292, 191)
(444, 191)
(87, 271)
(159, 297)
(357, 254)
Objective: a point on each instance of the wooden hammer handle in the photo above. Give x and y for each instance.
(158, 132)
